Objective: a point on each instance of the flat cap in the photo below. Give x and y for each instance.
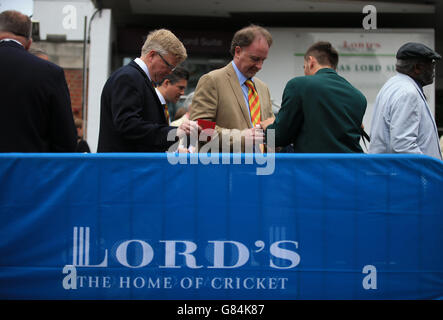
(414, 50)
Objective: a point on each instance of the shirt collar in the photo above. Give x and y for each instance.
(160, 96)
(8, 39)
(240, 76)
(144, 67)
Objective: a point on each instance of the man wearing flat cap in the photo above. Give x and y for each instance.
(402, 121)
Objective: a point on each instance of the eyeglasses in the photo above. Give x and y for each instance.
(170, 66)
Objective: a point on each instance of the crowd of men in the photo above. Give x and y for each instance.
(321, 112)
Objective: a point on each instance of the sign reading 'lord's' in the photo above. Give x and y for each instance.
(135, 226)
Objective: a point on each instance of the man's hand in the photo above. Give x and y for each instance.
(182, 150)
(254, 136)
(187, 127)
(265, 123)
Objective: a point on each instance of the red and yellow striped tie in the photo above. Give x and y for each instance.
(166, 113)
(254, 103)
(165, 106)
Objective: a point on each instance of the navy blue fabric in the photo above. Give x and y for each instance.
(323, 226)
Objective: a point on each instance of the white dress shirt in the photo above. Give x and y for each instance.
(402, 121)
(242, 79)
(143, 65)
(160, 97)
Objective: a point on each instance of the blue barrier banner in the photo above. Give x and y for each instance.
(152, 226)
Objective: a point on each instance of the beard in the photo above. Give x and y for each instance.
(426, 77)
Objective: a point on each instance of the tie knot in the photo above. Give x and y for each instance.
(249, 83)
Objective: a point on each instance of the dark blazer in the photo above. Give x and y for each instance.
(34, 102)
(132, 118)
(82, 147)
(321, 113)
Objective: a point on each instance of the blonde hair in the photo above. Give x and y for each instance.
(164, 42)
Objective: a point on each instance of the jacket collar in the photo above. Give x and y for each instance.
(139, 69)
(143, 66)
(235, 86)
(326, 70)
(11, 42)
(411, 80)
(150, 86)
(143, 73)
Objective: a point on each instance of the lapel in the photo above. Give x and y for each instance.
(261, 94)
(235, 86)
(163, 105)
(10, 43)
(428, 110)
(145, 76)
(150, 86)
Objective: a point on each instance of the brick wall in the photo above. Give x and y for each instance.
(74, 78)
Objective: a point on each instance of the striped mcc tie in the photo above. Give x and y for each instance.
(166, 113)
(254, 103)
(165, 106)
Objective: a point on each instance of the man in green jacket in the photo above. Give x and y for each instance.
(321, 112)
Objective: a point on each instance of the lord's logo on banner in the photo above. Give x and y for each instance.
(137, 254)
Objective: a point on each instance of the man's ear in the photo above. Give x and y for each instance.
(150, 55)
(237, 51)
(312, 62)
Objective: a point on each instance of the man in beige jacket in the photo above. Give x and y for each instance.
(226, 97)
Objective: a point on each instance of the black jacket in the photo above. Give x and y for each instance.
(34, 103)
(132, 118)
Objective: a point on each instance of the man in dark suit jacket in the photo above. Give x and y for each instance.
(34, 98)
(321, 112)
(132, 118)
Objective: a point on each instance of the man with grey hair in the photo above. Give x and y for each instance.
(232, 96)
(132, 117)
(35, 102)
(402, 121)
